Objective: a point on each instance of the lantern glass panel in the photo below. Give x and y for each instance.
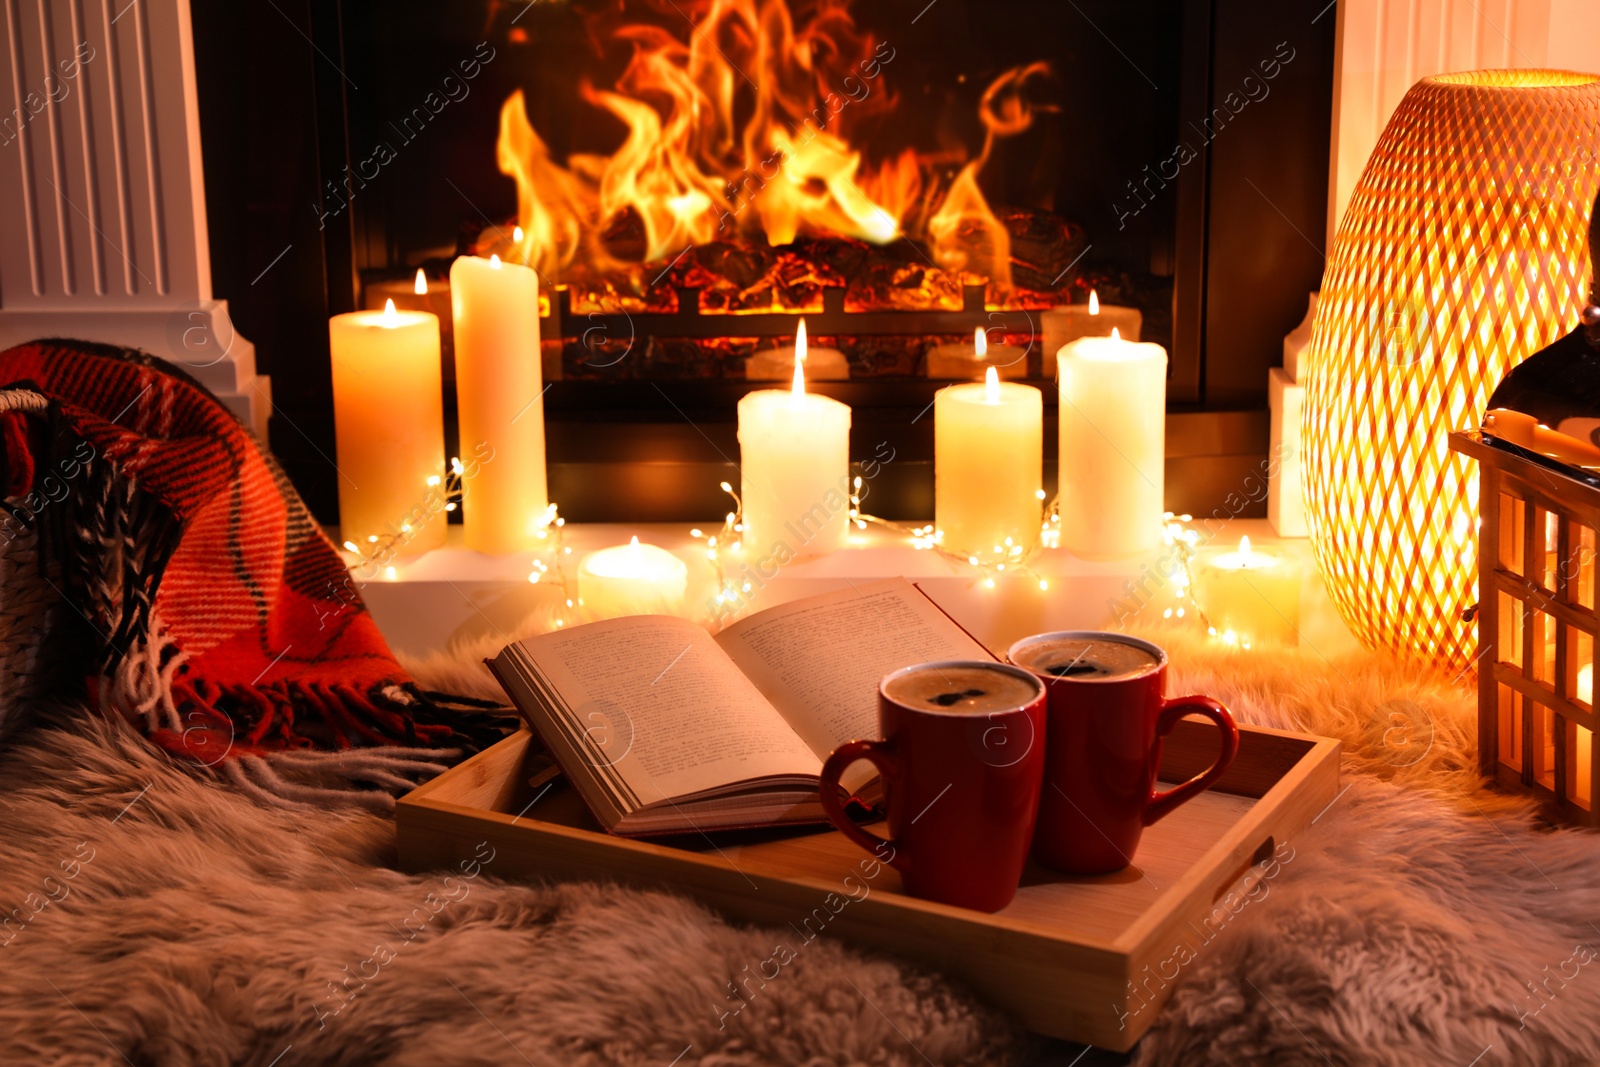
(1510, 650)
(1549, 523)
(1580, 568)
(1544, 746)
(1510, 539)
(1510, 727)
(1580, 756)
(1544, 648)
(1580, 667)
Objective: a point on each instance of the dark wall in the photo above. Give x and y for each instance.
(257, 73)
(1268, 185)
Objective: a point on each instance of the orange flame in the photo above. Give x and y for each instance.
(743, 128)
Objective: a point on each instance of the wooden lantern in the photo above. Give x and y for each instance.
(1537, 627)
(1537, 542)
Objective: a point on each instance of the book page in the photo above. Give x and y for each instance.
(658, 708)
(819, 660)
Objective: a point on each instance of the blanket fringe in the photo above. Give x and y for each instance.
(272, 778)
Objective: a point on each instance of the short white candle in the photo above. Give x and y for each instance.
(388, 417)
(968, 361)
(988, 458)
(500, 397)
(777, 364)
(1249, 596)
(632, 579)
(1112, 421)
(1094, 319)
(794, 460)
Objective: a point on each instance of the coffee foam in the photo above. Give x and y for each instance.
(972, 690)
(1090, 659)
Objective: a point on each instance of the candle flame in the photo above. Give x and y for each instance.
(980, 342)
(991, 385)
(635, 542)
(801, 348)
(516, 234)
(1094, 302)
(1116, 335)
(389, 316)
(1244, 547)
(494, 261)
(422, 283)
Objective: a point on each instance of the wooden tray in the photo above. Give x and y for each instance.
(1087, 959)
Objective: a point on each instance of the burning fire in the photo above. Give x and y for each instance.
(711, 155)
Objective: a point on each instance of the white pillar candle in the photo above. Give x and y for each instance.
(1094, 319)
(1286, 506)
(388, 414)
(968, 361)
(1249, 597)
(500, 396)
(988, 459)
(1113, 446)
(632, 579)
(794, 460)
(777, 364)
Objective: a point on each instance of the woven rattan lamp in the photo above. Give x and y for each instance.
(1461, 254)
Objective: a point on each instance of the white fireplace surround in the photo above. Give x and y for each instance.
(102, 198)
(102, 202)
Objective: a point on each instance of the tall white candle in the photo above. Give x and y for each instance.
(388, 416)
(988, 458)
(500, 396)
(794, 460)
(1113, 446)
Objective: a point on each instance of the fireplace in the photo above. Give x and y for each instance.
(691, 179)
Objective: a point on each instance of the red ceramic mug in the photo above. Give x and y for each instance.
(1107, 717)
(961, 759)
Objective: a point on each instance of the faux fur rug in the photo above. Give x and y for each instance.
(152, 917)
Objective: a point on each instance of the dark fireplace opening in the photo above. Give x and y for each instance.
(388, 138)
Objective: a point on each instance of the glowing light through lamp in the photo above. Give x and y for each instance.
(1461, 254)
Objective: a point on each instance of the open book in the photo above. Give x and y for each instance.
(664, 729)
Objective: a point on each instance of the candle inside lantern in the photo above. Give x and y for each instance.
(988, 467)
(500, 397)
(794, 459)
(974, 360)
(388, 413)
(1249, 597)
(1112, 422)
(777, 364)
(1069, 322)
(632, 579)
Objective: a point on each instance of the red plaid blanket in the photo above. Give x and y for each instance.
(206, 605)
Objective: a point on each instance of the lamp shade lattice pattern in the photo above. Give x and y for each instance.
(1463, 252)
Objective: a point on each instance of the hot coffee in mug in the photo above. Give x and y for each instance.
(1107, 716)
(961, 757)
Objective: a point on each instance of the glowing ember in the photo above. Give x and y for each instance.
(711, 157)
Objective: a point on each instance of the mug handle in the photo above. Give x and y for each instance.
(1161, 804)
(880, 755)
